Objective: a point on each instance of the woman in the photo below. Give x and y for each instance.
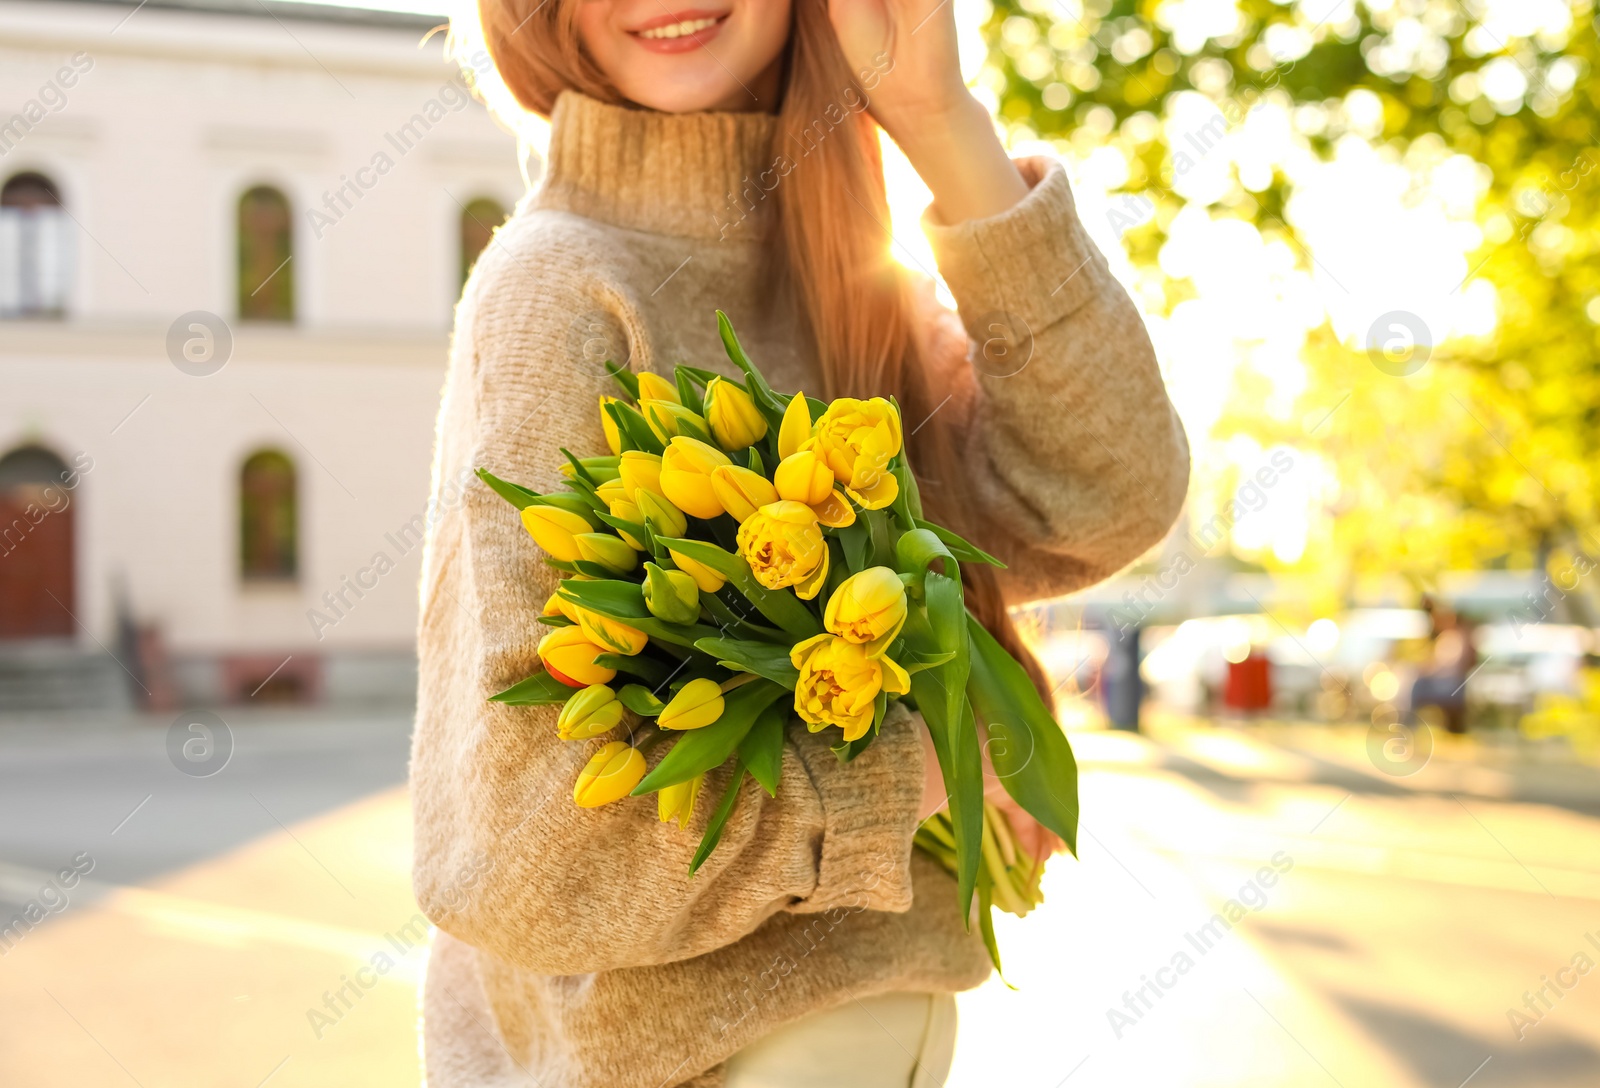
(726, 156)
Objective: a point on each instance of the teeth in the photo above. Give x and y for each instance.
(678, 30)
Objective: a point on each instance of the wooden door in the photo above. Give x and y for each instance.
(37, 596)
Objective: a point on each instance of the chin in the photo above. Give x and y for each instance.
(692, 95)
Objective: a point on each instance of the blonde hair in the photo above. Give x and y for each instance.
(834, 240)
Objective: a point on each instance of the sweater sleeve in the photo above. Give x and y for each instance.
(1074, 451)
(505, 860)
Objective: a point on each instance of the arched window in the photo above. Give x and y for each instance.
(268, 518)
(478, 221)
(35, 248)
(266, 249)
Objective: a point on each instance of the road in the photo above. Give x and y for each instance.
(1383, 932)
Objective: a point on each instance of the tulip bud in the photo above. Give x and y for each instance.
(558, 605)
(666, 519)
(735, 422)
(640, 470)
(610, 775)
(697, 704)
(555, 530)
(606, 550)
(686, 469)
(609, 634)
(655, 387)
(868, 608)
(599, 469)
(676, 802)
(669, 419)
(590, 712)
(741, 491)
(609, 425)
(568, 655)
(802, 477)
(671, 595)
(707, 579)
(614, 490)
(795, 431)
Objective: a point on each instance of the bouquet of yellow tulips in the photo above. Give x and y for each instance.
(741, 556)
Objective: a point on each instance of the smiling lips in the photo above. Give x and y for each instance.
(679, 32)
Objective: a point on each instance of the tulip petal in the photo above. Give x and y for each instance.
(879, 495)
(812, 585)
(835, 511)
(796, 429)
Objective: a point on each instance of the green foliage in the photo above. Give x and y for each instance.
(1489, 455)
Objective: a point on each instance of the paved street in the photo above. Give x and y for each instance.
(1382, 929)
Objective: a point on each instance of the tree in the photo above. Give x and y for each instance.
(1480, 449)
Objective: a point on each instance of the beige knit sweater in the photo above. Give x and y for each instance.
(573, 950)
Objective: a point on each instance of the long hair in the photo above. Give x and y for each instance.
(834, 217)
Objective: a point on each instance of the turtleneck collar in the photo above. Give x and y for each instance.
(680, 174)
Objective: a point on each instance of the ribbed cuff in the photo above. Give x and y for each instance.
(869, 813)
(1033, 261)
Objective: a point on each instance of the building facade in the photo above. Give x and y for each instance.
(231, 237)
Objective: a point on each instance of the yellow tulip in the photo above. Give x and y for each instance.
(839, 684)
(795, 431)
(655, 387)
(609, 425)
(610, 775)
(697, 704)
(614, 493)
(741, 491)
(868, 608)
(857, 439)
(686, 470)
(609, 634)
(783, 544)
(555, 530)
(606, 550)
(671, 595)
(735, 421)
(707, 579)
(558, 605)
(640, 469)
(668, 419)
(802, 477)
(677, 802)
(568, 655)
(590, 712)
(665, 519)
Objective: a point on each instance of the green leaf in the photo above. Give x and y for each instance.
(1031, 755)
(778, 605)
(687, 393)
(915, 552)
(583, 506)
(719, 819)
(986, 923)
(766, 401)
(640, 699)
(580, 470)
(762, 748)
(540, 689)
(740, 625)
(963, 551)
(936, 626)
(761, 658)
(702, 749)
(623, 525)
(881, 553)
(645, 668)
(627, 379)
(515, 494)
(855, 538)
(635, 431)
(753, 462)
(624, 601)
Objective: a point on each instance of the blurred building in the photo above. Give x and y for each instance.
(231, 236)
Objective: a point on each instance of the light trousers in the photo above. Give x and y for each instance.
(887, 1041)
